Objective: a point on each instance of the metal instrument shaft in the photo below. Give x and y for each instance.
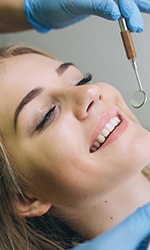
(139, 98)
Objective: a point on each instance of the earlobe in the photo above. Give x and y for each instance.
(32, 208)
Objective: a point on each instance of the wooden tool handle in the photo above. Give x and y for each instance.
(128, 44)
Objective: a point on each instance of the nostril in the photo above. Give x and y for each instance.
(91, 103)
(89, 106)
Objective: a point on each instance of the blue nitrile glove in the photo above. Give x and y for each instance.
(44, 15)
(131, 234)
(130, 9)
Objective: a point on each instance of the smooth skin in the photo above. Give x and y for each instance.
(62, 174)
(130, 234)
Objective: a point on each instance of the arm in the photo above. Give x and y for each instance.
(44, 15)
(12, 16)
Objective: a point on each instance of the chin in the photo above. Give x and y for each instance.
(136, 148)
(142, 152)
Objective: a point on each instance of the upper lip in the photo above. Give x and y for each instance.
(105, 118)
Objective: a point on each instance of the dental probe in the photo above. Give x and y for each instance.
(139, 98)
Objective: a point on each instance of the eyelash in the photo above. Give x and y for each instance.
(50, 114)
(87, 78)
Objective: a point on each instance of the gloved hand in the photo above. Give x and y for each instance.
(132, 234)
(44, 15)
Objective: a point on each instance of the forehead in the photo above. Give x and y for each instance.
(25, 68)
(19, 74)
(20, 63)
(24, 71)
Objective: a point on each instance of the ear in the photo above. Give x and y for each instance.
(32, 207)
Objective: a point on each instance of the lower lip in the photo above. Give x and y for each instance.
(119, 130)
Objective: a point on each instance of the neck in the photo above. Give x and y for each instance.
(98, 215)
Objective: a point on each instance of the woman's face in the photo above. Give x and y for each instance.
(51, 127)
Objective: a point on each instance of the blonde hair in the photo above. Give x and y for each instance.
(42, 233)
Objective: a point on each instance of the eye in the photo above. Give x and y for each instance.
(48, 118)
(87, 78)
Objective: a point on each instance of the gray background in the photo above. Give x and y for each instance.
(95, 46)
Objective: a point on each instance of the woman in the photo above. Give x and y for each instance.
(71, 152)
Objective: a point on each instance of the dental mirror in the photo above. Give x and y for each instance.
(139, 98)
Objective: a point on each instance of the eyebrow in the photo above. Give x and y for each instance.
(64, 66)
(28, 98)
(37, 91)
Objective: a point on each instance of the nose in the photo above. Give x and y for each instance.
(81, 99)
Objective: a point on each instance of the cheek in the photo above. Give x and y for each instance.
(113, 97)
(62, 171)
(55, 164)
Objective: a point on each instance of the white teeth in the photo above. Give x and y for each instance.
(117, 119)
(101, 138)
(113, 122)
(96, 144)
(105, 132)
(109, 127)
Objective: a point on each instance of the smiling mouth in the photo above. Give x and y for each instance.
(105, 133)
